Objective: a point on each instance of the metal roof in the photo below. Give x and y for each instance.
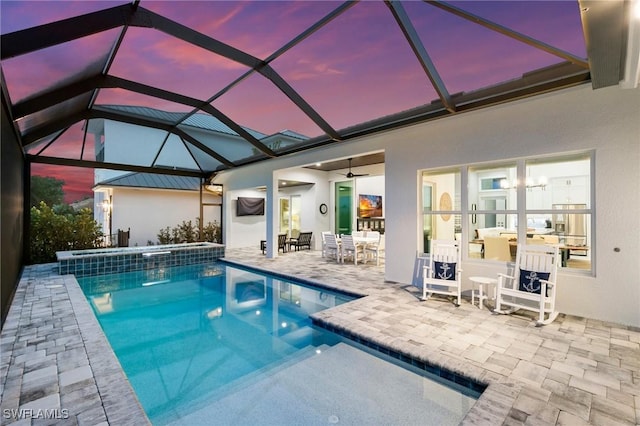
(332, 71)
(154, 181)
(200, 120)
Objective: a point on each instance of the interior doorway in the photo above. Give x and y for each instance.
(344, 203)
(492, 220)
(290, 209)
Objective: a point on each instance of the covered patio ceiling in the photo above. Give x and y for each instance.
(287, 76)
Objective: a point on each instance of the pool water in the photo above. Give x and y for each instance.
(215, 340)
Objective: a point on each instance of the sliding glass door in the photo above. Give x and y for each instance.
(344, 202)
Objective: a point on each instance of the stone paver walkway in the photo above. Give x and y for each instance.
(56, 365)
(574, 371)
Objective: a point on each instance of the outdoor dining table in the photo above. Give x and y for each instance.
(362, 241)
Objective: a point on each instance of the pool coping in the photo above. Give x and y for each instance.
(100, 394)
(119, 400)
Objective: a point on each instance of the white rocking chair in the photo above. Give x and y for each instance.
(533, 284)
(443, 273)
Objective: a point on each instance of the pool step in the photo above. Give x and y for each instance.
(341, 385)
(238, 385)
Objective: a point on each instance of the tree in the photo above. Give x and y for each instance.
(52, 232)
(46, 189)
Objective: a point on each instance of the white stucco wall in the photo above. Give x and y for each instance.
(607, 120)
(147, 211)
(577, 119)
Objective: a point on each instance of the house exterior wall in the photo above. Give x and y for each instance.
(247, 231)
(147, 211)
(606, 121)
(578, 119)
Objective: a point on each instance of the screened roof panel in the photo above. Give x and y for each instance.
(231, 147)
(254, 27)
(259, 104)
(52, 67)
(157, 59)
(42, 143)
(126, 98)
(167, 156)
(357, 68)
(68, 145)
(483, 57)
(557, 23)
(282, 76)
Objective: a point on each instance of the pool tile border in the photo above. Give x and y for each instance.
(117, 260)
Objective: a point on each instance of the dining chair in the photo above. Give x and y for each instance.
(497, 248)
(332, 248)
(348, 249)
(324, 234)
(372, 248)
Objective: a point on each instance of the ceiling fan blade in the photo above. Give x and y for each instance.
(350, 174)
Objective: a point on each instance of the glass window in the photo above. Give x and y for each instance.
(558, 206)
(493, 203)
(542, 200)
(441, 206)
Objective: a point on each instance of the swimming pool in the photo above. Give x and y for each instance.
(214, 340)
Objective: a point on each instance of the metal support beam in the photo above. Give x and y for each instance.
(31, 39)
(72, 90)
(111, 166)
(510, 33)
(419, 50)
(97, 112)
(290, 93)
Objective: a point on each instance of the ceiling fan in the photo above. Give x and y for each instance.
(352, 175)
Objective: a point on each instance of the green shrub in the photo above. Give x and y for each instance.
(164, 236)
(52, 232)
(211, 232)
(187, 232)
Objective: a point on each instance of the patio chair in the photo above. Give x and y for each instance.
(443, 274)
(332, 248)
(303, 240)
(348, 249)
(533, 283)
(282, 242)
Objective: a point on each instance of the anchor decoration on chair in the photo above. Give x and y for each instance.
(533, 285)
(445, 272)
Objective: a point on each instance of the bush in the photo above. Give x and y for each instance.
(52, 232)
(187, 232)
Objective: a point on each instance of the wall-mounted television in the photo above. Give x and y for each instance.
(369, 205)
(250, 206)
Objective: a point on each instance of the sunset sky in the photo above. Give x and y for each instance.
(357, 68)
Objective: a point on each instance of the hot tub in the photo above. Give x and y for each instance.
(126, 259)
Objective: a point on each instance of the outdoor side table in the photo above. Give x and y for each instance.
(483, 283)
